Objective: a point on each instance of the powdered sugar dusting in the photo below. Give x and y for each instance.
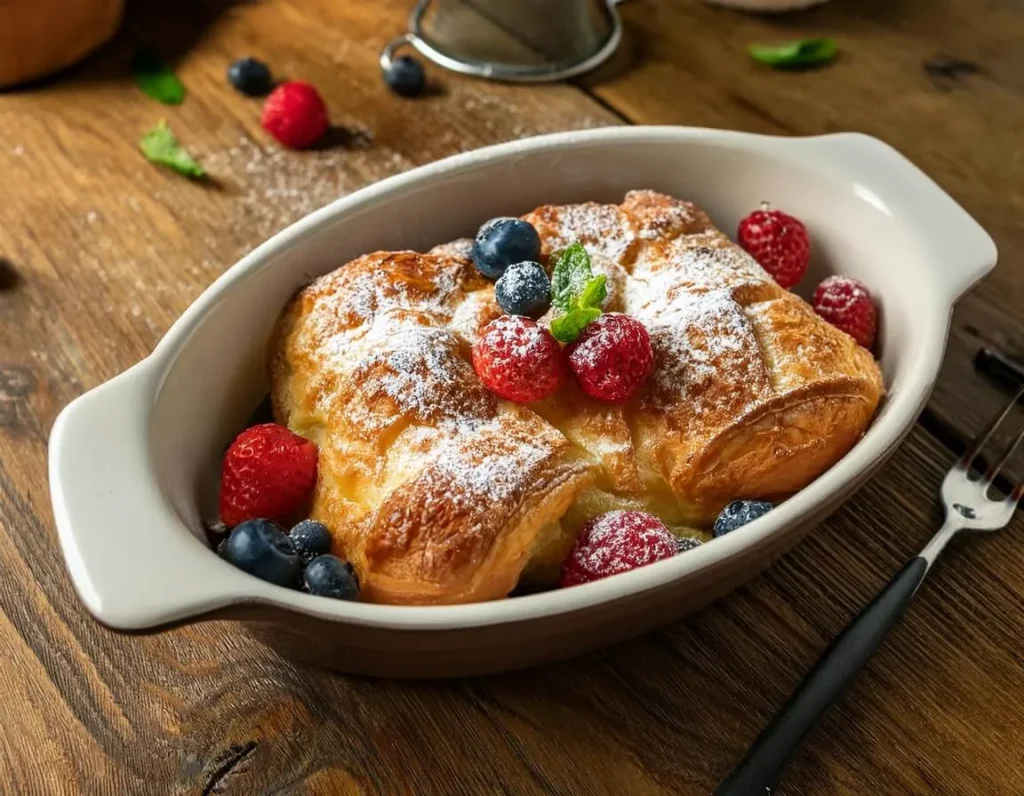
(516, 339)
(393, 333)
(492, 477)
(706, 355)
(604, 230)
(517, 284)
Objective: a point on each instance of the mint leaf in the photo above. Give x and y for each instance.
(566, 328)
(160, 146)
(569, 276)
(594, 292)
(803, 52)
(156, 79)
(576, 292)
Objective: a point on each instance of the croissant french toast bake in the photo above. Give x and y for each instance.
(437, 490)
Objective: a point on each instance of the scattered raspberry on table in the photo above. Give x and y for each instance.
(295, 114)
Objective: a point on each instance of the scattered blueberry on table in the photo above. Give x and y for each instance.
(502, 242)
(262, 548)
(311, 539)
(329, 576)
(524, 289)
(406, 77)
(251, 77)
(739, 513)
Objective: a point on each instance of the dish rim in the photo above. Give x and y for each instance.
(880, 440)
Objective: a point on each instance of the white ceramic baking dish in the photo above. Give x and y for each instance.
(133, 463)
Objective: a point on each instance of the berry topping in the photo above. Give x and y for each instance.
(612, 357)
(778, 242)
(616, 542)
(250, 76)
(262, 548)
(329, 576)
(684, 543)
(295, 115)
(524, 289)
(311, 539)
(267, 472)
(739, 513)
(847, 305)
(518, 360)
(503, 241)
(406, 77)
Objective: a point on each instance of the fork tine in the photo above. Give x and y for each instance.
(1016, 494)
(993, 471)
(983, 438)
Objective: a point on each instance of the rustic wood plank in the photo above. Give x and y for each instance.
(103, 251)
(958, 120)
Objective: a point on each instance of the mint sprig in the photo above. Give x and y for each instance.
(576, 292)
(569, 276)
(156, 79)
(159, 145)
(795, 54)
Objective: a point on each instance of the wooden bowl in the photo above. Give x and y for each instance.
(38, 37)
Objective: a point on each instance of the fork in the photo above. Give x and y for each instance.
(967, 508)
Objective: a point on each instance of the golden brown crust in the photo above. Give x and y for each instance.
(440, 492)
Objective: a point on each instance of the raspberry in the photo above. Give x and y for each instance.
(778, 242)
(612, 357)
(518, 360)
(847, 305)
(295, 115)
(616, 542)
(268, 472)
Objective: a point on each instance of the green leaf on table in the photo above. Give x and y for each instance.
(800, 53)
(569, 276)
(156, 79)
(160, 146)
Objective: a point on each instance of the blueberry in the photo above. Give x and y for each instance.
(502, 242)
(739, 513)
(311, 539)
(329, 576)
(250, 76)
(406, 77)
(262, 548)
(524, 289)
(684, 543)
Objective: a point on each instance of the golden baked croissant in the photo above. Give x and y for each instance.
(438, 491)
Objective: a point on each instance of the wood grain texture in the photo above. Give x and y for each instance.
(99, 252)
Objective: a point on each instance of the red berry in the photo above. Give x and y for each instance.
(518, 360)
(778, 242)
(612, 357)
(616, 542)
(847, 305)
(295, 115)
(268, 472)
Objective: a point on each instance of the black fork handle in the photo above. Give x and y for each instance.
(838, 666)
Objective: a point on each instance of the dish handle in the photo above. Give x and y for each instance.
(132, 560)
(963, 252)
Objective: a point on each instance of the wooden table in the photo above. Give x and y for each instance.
(101, 251)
